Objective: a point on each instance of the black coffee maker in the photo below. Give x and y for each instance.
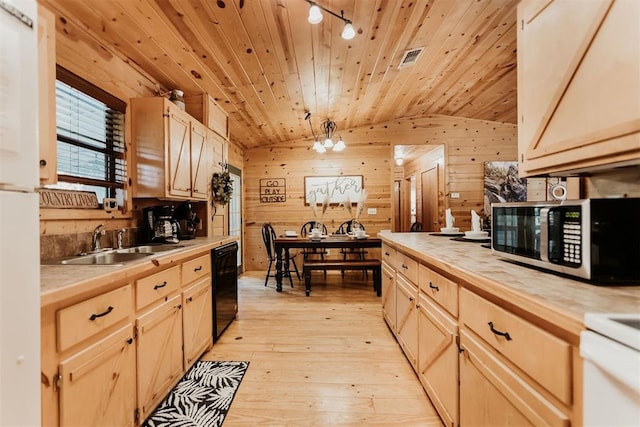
(187, 221)
(159, 224)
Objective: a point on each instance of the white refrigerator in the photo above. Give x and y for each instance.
(19, 223)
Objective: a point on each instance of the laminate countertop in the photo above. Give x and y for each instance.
(554, 300)
(60, 282)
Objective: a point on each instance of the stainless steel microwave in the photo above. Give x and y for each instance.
(593, 239)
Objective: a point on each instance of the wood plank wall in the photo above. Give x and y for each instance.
(468, 144)
(94, 60)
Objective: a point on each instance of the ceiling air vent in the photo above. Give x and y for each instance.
(410, 57)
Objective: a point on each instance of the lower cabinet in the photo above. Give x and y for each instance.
(407, 318)
(159, 353)
(197, 320)
(389, 296)
(110, 358)
(438, 358)
(97, 384)
(492, 394)
(480, 363)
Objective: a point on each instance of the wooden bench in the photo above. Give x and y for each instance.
(353, 264)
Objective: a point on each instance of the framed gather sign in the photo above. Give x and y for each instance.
(338, 188)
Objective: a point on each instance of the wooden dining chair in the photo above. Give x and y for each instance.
(416, 226)
(358, 253)
(313, 252)
(269, 237)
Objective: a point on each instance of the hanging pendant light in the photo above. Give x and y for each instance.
(315, 17)
(315, 14)
(328, 127)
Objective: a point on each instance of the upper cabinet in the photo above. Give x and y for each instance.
(47, 95)
(172, 151)
(205, 109)
(578, 85)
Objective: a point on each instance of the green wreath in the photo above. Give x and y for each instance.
(221, 186)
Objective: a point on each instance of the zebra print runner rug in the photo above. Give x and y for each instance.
(203, 396)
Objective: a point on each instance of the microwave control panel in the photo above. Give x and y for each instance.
(571, 236)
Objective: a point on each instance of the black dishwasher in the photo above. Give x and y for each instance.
(225, 286)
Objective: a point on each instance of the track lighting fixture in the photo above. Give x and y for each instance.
(328, 127)
(315, 17)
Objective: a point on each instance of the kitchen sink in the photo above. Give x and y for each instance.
(105, 258)
(149, 249)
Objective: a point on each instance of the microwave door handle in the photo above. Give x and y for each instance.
(544, 234)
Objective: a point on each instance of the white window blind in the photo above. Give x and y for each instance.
(91, 143)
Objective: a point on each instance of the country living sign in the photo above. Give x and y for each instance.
(66, 199)
(273, 190)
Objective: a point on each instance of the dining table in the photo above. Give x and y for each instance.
(283, 244)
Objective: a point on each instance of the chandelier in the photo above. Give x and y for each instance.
(328, 128)
(315, 17)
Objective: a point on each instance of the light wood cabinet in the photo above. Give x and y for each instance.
(171, 158)
(578, 85)
(111, 356)
(389, 296)
(197, 320)
(492, 394)
(514, 337)
(88, 318)
(481, 363)
(47, 133)
(438, 358)
(205, 109)
(98, 383)
(197, 315)
(407, 318)
(159, 353)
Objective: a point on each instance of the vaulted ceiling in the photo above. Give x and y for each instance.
(267, 66)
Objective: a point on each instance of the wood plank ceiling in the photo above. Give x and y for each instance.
(266, 65)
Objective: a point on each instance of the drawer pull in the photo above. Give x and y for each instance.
(130, 341)
(432, 286)
(198, 268)
(410, 299)
(386, 253)
(404, 266)
(189, 299)
(497, 332)
(95, 316)
(156, 287)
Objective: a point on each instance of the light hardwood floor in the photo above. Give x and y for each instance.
(324, 360)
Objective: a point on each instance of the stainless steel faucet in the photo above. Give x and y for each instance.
(97, 233)
(120, 235)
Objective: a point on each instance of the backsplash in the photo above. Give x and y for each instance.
(65, 245)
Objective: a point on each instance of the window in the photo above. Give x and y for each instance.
(91, 144)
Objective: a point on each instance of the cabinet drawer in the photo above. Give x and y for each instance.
(439, 288)
(407, 266)
(196, 268)
(156, 286)
(389, 255)
(85, 319)
(544, 357)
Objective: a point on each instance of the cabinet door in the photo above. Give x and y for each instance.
(217, 118)
(438, 358)
(389, 296)
(159, 353)
(179, 148)
(578, 84)
(47, 93)
(491, 394)
(200, 160)
(197, 320)
(99, 385)
(407, 318)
